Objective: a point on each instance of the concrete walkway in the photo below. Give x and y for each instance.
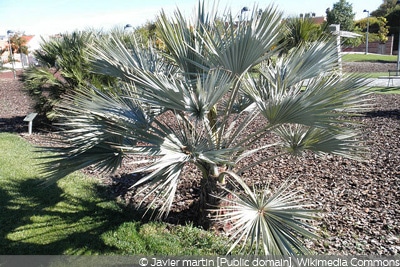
(383, 83)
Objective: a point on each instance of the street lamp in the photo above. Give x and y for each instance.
(366, 47)
(245, 9)
(9, 33)
(398, 48)
(127, 26)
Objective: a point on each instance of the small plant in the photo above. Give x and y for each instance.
(275, 223)
(196, 103)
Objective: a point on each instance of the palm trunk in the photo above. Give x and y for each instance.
(208, 200)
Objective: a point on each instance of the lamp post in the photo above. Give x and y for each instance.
(9, 33)
(245, 9)
(127, 26)
(366, 47)
(398, 48)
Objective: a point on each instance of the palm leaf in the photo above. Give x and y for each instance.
(305, 61)
(97, 129)
(238, 47)
(111, 55)
(274, 223)
(322, 102)
(183, 44)
(298, 138)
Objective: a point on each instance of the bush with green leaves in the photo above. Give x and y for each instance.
(376, 26)
(197, 105)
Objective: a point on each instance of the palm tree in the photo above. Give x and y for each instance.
(301, 30)
(196, 104)
(63, 67)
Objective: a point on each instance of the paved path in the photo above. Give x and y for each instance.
(383, 83)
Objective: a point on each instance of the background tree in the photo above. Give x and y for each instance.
(393, 21)
(341, 13)
(148, 35)
(378, 30)
(385, 8)
(18, 44)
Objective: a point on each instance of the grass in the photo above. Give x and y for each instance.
(373, 74)
(385, 90)
(369, 58)
(76, 216)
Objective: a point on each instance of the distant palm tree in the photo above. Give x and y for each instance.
(301, 30)
(63, 67)
(197, 104)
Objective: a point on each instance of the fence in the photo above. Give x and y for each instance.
(374, 47)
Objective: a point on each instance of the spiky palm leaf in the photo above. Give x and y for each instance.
(96, 129)
(303, 88)
(272, 223)
(180, 36)
(238, 46)
(114, 56)
(299, 138)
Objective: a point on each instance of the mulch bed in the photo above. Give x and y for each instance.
(360, 201)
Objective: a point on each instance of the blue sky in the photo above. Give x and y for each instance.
(42, 17)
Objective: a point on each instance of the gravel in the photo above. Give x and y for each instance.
(368, 67)
(359, 200)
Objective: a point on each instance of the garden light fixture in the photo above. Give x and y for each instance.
(366, 46)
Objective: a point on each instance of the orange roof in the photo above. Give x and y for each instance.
(3, 44)
(318, 20)
(27, 38)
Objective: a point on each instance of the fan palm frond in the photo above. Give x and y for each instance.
(273, 223)
(156, 86)
(181, 37)
(320, 103)
(305, 61)
(240, 45)
(208, 91)
(111, 55)
(97, 128)
(196, 99)
(298, 138)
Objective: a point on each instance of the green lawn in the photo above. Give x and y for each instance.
(368, 57)
(373, 74)
(76, 216)
(385, 90)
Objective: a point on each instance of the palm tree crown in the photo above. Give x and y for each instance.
(195, 101)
